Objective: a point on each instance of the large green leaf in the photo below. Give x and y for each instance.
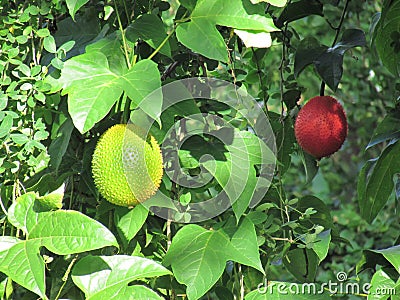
(232, 163)
(198, 256)
(21, 261)
(62, 232)
(244, 248)
(67, 232)
(379, 185)
(387, 36)
(109, 277)
(93, 87)
(201, 35)
(327, 61)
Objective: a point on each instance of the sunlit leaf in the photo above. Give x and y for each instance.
(109, 277)
(206, 16)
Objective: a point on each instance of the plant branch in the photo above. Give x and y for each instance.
(264, 90)
(124, 42)
(65, 277)
(162, 44)
(338, 29)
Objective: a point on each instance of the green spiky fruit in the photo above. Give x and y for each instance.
(127, 168)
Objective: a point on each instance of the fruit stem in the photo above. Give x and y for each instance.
(322, 90)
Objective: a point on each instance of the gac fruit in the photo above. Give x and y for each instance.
(321, 126)
(127, 166)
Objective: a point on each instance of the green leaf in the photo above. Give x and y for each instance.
(380, 184)
(321, 217)
(129, 221)
(24, 213)
(329, 66)
(388, 129)
(278, 3)
(60, 143)
(235, 171)
(244, 248)
(49, 44)
(321, 245)
(44, 32)
(189, 4)
(307, 52)
(380, 281)
(109, 277)
(328, 61)
(351, 38)
(62, 232)
(198, 258)
(392, 254)
(3, 103)
(206, 16)
(150, 29)
(93, 88)
(84, 30)
(66, 232)
(257, 39)
(300, 9)
(21, 261)
(53, 200)
(302, 263)
(387, 37)
(74, 6)
(285, 139)
(3, 284)
(5, 125)
(310, 165)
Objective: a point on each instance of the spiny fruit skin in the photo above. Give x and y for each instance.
(127, 168)
(321, 126)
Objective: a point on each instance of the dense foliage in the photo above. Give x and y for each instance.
(71, 69)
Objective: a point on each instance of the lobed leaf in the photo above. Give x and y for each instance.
(206, 16)
(109, 277)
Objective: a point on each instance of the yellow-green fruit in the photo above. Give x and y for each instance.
(127, 168)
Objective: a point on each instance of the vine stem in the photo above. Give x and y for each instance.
(65, 277)
(162, 44)
(263, 88)
(338, 29)
(125, 44)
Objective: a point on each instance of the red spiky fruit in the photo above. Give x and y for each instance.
(321, 126)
